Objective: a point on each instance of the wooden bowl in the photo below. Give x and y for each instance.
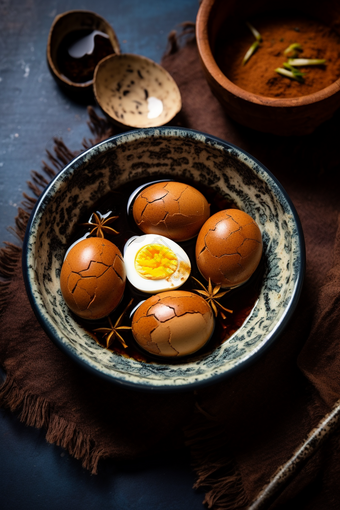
(62, 26)
(280, 116)
(134, 91)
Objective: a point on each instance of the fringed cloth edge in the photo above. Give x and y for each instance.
(216, 469)
(33, 410)
(10, 254)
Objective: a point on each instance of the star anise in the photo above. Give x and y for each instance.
(100, 224)
(211, 295)
(113, 331)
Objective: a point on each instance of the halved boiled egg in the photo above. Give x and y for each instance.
(155, 263)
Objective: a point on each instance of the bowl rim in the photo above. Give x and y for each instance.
(208, 60)
(126, 56)
(275, 334)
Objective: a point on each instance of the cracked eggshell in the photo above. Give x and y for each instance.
(93, 277)
(229, 248)
(172, 209)
(173, 324)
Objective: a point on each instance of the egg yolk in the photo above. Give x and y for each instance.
(155, 262)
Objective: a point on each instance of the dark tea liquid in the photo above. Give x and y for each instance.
(240, 300)
(79, 53)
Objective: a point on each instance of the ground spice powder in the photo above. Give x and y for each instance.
(258, 75)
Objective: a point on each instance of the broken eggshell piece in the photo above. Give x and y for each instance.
(63, 26)
(136, 92)
(92, 278)
(155, 263)
(173, 324)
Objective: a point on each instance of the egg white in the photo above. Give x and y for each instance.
(172, 282)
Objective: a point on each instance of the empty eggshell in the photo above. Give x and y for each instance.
(172, 209)
(92, 278)
(173, 323)
(136, 92)
(229, 248)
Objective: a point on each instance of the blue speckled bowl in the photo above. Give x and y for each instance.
(180, 152)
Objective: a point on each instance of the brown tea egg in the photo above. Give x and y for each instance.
(93, 277)
(229, 248)
(173, 323)
(172, 209)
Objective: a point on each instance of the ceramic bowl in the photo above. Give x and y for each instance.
(134, 91)
(62, 27)
(286, 116)
(182, 154)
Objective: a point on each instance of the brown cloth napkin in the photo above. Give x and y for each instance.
(239, 431)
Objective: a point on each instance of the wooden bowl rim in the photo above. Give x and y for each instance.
(209, 62)
(60, 77)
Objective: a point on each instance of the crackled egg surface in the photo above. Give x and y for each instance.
(155, 263)
(172, 209)
(92, 278)
(229, 248)
(173, 324)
